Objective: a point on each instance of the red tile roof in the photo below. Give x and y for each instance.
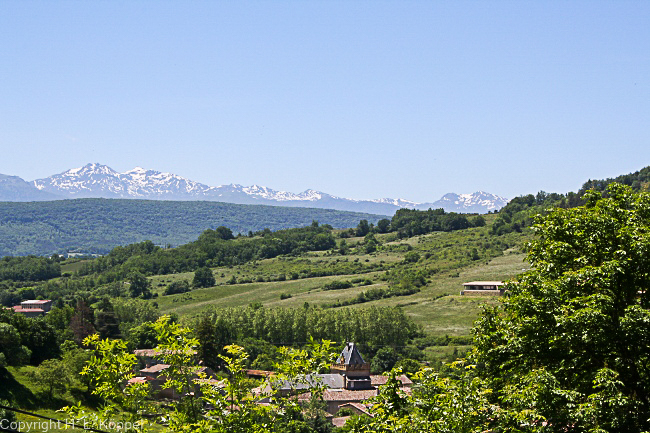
(140, 379)
(340, 421)
(378, 380)
(359, 406)
(155, 368)
(19, 308)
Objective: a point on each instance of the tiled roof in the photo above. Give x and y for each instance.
(19, 308)
(363, 408)
(140, 379)
(347, 395)
(340, 421)
(37, 301)
(378, 380)
(155, 368)
(327, 380)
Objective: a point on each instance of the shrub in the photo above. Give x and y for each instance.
(177, 287)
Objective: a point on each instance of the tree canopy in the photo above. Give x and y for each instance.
(571, 345)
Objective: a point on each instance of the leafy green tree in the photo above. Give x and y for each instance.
(370, 243)
(74, 360)
(363, 228)
(11, 348)
(383, 225)
(208, 349)
(108, 373)
(176, 287)
(106, 322)
(203, 277)
(143, 336)
(384, 360)
(224, 233)
(52, 376)
(177, 349)
(139, 285)
(409, 366)
(41, 339)
(343, 247)
(411, 257)
(570, 346)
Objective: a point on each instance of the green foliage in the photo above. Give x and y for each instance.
(411, 257)
(363, 228)
(88, 225)
(224, 233)
(371, 327)
(7, 416)
(638, 181)
(384, 360)
(181, 286)
(383, 225)
(337, 285)
(208, 250)
(108, 372)
(29, 268)
(27, 340)
(203, 277)
(570, 345)
(410, 222)
(13, 352)
(52, 376)
(178, 350)
(226, 406)
(139, 285)
(439, 404)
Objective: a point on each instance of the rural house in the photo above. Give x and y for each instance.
(483, 288)
(33, 307)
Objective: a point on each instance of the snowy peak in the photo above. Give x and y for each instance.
(478, 202)
(91, 180)
(97, 180)
(397, 202)
(93, 169)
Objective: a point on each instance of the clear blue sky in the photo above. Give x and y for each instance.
(357, 99)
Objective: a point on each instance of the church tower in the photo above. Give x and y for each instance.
(355, 371)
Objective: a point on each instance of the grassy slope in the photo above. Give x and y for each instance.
(438, 307)
(18, 388)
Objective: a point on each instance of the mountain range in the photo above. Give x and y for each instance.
(100, 181)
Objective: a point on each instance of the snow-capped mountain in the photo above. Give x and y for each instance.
(479, 202)
(96, 180)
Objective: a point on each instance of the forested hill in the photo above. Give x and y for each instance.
(98, 225)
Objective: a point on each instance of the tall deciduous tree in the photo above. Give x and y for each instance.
(203, 277)
(139, 285)
(363, 228)
(570, 348)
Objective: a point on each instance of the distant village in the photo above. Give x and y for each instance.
(348, 385)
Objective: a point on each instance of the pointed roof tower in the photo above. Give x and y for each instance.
(353, 368)
(351, 355)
